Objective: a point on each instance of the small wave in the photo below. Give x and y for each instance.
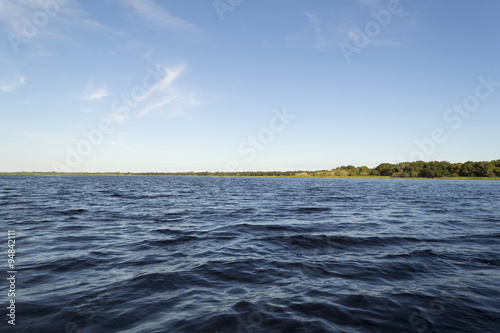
(333, 198)
(73, 227)
(242, 212)
(258, 228)
(170, 231)
(169, 219)
(68, 264)
(141, 196)
(159, 282)
(337, 241)
(176, 241)
(72, 211)
(425, 253)
(307, 210)
(488, 261)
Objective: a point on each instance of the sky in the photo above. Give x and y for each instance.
(229, 85)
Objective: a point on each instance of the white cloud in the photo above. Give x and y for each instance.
(10, 85)
(168, 99)
(317, 32)
(18, 15)
(372, 4)
(33, 22)
(164, 98)
(148, 54)
(325, 30)
(95, 25)
(92, 94)
(390, 35)
(316, 25)
(172, 75)
(156, 15)
(172, 103)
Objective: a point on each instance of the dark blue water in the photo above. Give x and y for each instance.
(180, 254)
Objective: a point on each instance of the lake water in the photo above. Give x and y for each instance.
(182, 254)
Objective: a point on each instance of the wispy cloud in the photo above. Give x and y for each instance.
(173, 104)
(12, 11)
(98, 26)
(156, 15)
(372, 4)
(11, 84)
(393, 33)
(33, 22)
(316, 32)
(16, 15)
(165, 98)
(168, 99)
(92, 94)
(316, 26)
(324, 31)
(148, 54)
(350, 33)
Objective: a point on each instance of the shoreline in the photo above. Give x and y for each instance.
(299, 174)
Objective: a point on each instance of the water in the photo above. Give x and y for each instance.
(180, 254)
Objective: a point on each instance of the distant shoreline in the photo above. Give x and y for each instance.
(301, 174)
(405, 170)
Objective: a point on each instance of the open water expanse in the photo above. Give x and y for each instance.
(196, 254)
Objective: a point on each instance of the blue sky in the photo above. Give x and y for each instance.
(143, 85)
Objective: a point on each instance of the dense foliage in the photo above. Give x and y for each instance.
(424, 170)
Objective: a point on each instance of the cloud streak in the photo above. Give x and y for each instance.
(163, 97)
(316, 25)
(156, 15)
(167, 98)
(18, 15)
(11, 85)
(95, 94)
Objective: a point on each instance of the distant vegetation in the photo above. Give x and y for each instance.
(420, 169)
(417, 169)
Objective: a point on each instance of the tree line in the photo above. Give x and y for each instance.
(421, 169)
(418, 169)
